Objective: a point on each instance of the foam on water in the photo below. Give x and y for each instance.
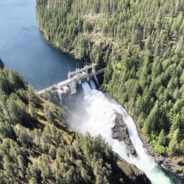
(99, 118)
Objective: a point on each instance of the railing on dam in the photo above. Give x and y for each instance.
(74, 78)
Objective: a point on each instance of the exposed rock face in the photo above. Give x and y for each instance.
(174, 166)
(120, 132)
(133, 173)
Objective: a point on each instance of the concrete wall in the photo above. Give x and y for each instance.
(65, 97)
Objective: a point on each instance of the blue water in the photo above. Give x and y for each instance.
(23, 48)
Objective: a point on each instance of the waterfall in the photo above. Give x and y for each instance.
(92, 84)
(87, 88)
(98, 117)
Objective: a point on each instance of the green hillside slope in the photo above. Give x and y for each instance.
(37, 147)
(141, 45)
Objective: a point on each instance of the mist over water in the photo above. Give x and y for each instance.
(96, 114)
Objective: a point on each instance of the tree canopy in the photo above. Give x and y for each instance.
(37, 147)
(141, 45)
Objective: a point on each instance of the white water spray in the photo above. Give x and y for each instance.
(99, 118)
(92, 84)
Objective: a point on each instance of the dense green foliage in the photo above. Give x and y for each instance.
(36, 147)
(141, 44)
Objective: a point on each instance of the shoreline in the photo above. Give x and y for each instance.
(165, 163)
(159, 159)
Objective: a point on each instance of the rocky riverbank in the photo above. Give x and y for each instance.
(131, 171)
(171, 165)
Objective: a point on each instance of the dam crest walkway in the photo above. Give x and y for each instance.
(74, 78)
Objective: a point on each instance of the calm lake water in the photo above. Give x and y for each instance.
(23, 48)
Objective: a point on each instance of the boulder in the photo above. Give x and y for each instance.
(120, 132)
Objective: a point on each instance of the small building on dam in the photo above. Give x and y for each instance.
(66, 89)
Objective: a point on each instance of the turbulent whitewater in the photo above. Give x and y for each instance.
(96, 114)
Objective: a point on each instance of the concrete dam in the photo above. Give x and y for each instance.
(69, 87)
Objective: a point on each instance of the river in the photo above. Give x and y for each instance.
(23, 48)
(98, 117)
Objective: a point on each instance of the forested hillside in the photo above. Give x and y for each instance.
(140, 42)
(37, 147)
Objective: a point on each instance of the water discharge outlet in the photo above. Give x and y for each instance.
(98, 116)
